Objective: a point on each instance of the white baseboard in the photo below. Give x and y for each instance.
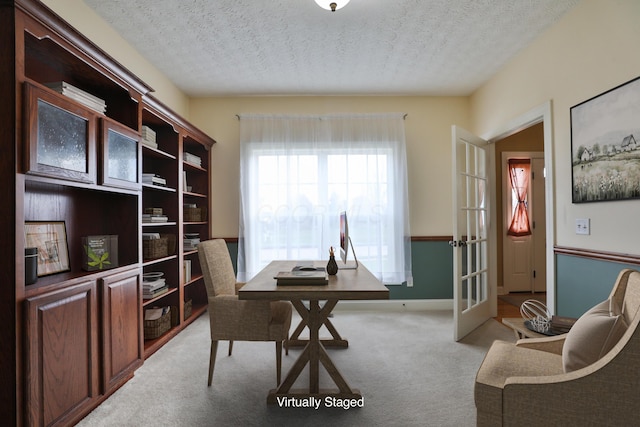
(396, 305)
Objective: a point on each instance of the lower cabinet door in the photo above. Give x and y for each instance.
(62, 354)
(122, 339)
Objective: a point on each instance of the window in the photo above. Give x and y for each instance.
(519, 172)
(298, 173)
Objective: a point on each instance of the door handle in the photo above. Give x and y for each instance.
(456, 243)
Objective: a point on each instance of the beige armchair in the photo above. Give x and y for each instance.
(532, 382)
(235, 320)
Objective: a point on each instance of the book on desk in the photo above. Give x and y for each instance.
(302, 275)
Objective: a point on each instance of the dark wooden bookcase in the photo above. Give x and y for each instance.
(186, 296)
(72, 338)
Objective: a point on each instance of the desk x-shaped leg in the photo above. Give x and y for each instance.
(313, 354)
(296, 341)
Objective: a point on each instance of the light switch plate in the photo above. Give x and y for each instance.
(583, 226)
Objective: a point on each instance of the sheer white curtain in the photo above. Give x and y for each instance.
(297, 173)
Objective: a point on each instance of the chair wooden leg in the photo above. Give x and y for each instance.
(230, 347)
(286, 345)
(212, 360)
(278, 360)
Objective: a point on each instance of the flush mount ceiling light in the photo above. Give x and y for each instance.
(332, 5)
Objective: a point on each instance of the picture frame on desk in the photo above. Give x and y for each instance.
(50, 237)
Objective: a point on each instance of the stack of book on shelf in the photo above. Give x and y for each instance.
(149, 137)
(193, 159)
(154, 215)
(302, 276)
(190, 241)
(154, 179)
(153, 285)
(85, 98)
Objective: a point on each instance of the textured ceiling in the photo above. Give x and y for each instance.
(293, 47)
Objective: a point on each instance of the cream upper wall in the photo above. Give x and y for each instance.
(590, 50)
(428, 128)
(96, 29)
(428, 136)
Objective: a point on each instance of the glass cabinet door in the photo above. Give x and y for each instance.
(120, 156)
(60, 137)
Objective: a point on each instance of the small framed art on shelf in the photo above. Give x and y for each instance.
(50, 237)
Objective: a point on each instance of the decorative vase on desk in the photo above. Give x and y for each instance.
(332, 266)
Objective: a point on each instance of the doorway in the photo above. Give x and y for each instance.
(521, 259)
(542, 114)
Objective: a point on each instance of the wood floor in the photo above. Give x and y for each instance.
(506, 310)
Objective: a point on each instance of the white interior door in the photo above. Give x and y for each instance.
(524, 268)
(470, 235)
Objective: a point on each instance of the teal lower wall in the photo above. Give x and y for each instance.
(582, 282)
(432, 266)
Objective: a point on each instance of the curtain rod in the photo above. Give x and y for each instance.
(403, 117)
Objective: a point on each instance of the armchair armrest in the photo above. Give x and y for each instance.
(549, 344)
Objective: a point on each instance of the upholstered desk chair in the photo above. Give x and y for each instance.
(588, 376)
(238, 320)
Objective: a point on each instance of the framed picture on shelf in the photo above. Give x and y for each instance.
(605, 145)
(50, 237)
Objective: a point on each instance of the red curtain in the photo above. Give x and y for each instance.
(519, 172)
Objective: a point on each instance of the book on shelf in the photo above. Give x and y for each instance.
(187, 270)
(297, 277)
(85, 98)
(155, 293)
(100, 252)
(193, 159)
(190, 244)
(153, 211)
(149, 143)
(154, 218)
(152, 178)
(148, 134)
(152, 285)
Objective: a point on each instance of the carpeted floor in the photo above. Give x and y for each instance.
(406, 365)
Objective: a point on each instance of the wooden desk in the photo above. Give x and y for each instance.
(357, 284)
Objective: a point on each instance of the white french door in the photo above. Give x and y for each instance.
(470, 234)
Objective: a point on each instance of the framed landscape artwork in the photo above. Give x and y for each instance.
(50, 237)
(605, 145)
